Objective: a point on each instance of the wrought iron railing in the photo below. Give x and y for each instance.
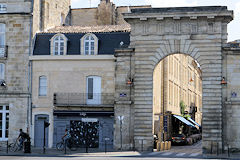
(3, 51)
(83, 99)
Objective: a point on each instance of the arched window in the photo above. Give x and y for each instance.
(89, 44)
(58, 44)
(2, 70)
(42, 86)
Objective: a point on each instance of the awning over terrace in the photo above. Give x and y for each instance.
(184, 120)
(191, 120)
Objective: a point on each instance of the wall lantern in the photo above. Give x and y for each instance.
(191, 80)
(223, 81)
(129, 81)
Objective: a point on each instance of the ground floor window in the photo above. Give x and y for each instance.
(4, 122)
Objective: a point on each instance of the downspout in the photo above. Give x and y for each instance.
(29, 109)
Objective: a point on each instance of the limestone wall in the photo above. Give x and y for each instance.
(154, 37)
(49, 13)
(231, 99)
(68, 74)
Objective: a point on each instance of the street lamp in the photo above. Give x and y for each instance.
(121, 122)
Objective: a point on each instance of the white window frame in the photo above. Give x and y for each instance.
(92, 48)
(2, 71)
(41, 87)
(3, 36)
(61, 41)
(4, 112)
(3, 8)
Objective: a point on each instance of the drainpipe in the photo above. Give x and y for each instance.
(29, 109)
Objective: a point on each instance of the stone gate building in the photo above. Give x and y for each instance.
(199, 32)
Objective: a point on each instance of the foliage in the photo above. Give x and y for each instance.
(182, 107)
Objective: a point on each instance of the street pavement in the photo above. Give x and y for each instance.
(176, 152)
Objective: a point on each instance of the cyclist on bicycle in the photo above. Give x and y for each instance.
(66, 136)
(22, 137)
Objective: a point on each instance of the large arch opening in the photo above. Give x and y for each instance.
(177, 102)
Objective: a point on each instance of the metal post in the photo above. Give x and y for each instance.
(44, 149)
(228, 151)
(121, 132)
(211, 147)
(217, 148)
(105, 146)
(142, 146)
(86, 138)
(7, 146)
(65, 146)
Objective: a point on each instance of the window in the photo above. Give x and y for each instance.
(3, 8)
(2, 40)
(2, 70)
(42, 86)
(89, 44)
(4, 122)
(58, 44)
(93, 90)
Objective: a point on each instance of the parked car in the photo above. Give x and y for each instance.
(179, 139)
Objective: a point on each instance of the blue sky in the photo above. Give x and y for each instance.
(233, 27)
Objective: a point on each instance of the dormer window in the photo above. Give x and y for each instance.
(89, 44)
(58, 45)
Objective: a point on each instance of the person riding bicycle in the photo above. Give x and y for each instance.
(66, 136)
(22, 137)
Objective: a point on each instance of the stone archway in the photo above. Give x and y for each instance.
(199, 32)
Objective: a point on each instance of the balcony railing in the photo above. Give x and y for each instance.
(3, 51)
(83, 99)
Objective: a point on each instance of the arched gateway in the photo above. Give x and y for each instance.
(199, 32)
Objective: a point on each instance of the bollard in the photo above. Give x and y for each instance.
(169, 145)
(166, 145)
(158, 145)
(162, 146)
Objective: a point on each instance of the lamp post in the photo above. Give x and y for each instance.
(121, 122)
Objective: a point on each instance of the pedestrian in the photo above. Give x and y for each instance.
(66, 136)
(22, 137)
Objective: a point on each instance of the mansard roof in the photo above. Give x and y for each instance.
(107, 41)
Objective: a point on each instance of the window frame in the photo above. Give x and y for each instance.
(40, 87)
(3, 43)
(4, 112)
(2, 71)
(61, 39)
(83, 41)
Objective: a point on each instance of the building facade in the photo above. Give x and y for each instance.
(19, 22)
(176, 79)
(73, 83)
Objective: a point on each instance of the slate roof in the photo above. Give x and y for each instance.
(92, 29)
(108, 41)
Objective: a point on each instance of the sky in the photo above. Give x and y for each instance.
(233, 27)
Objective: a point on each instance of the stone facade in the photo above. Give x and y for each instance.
(68, 75)
(230, 96)
(15, 93)
(48, 14)
(199, 32)
(176, 78)
(20, 26)
(105, 14)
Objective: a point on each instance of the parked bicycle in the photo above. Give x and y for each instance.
(69, 144)
(15, 146)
